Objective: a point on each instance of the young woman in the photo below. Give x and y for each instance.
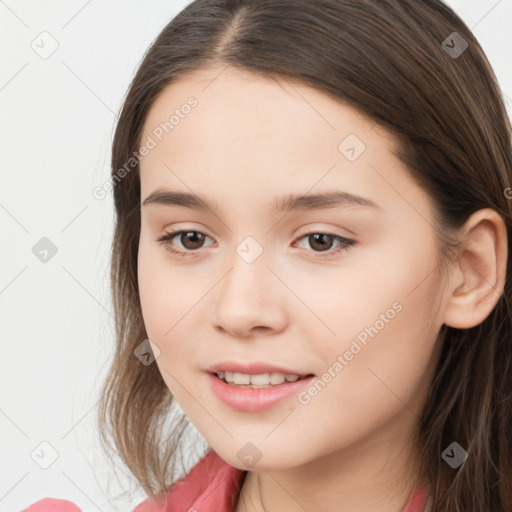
(311, 259)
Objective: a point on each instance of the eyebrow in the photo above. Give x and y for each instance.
(291, 202)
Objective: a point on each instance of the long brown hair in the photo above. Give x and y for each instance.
(400, 63)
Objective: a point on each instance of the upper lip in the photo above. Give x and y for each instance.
(253, 368)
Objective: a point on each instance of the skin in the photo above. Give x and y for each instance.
(249, 141)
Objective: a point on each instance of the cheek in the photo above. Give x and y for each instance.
(378, 316)
(164, 307)
(171, 302)
(365, 384)
(160, 290)
(340, 302)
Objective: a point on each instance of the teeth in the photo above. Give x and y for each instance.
(257, 380)
(261, 380)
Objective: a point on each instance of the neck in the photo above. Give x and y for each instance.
(367, 476)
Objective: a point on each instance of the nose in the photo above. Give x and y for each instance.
(250, 298)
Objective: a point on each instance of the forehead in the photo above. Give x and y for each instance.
(238, 103)
(248, 134)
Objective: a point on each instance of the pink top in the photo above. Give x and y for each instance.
(212, 485)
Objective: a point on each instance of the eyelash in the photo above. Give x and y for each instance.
(346, 242)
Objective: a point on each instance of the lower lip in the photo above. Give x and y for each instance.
(255, 399)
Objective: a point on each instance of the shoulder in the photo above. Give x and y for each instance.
(212, 484)
(420, 500)
(52, 505)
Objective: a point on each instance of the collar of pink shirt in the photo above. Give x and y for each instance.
(213, 485)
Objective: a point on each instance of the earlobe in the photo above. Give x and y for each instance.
(480, 273)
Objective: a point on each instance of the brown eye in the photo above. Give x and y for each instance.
(321, 241)
(191, 239)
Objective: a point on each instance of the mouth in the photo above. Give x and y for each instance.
(254, 393)
(262, 380)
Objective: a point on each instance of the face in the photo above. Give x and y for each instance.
(342, 290)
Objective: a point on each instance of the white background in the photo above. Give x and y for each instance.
(56, 127)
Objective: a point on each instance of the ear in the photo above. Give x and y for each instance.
(479, 277)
